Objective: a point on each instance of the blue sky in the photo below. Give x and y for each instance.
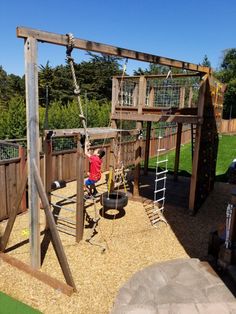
(182, 30)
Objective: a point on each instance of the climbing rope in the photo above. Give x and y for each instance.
(70, 60)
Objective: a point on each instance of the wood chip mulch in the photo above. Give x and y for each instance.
(130, 242)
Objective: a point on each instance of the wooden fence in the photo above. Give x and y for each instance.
(228, 126)
(10, 176)
(64, 167)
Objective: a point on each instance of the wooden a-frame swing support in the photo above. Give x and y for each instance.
(32, 37)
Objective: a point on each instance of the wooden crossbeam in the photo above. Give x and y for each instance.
(52, 282)
(88, 45)
(157, 117)
(153, 76)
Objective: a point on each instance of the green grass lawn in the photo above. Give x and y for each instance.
(226, 154)
(9, 305)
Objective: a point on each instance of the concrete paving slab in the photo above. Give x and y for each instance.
(178, 286)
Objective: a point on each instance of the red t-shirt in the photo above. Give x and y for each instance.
(95, 168)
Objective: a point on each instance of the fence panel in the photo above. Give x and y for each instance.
(10, 180)
(228, 126)
(3, 193)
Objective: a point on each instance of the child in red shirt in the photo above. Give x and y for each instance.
(95, 164)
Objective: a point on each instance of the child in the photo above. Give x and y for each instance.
(95, 164)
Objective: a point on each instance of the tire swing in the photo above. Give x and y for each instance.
(114, 200)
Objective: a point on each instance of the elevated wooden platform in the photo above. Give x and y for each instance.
(94, 133)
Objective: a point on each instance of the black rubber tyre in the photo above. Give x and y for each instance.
(114, 200)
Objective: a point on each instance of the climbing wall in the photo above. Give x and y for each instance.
(208, 150)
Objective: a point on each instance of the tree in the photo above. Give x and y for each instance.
(157, 69)
(10, 86)
(227, 74)
(95, 76)
(3, 123)
(3, 88)
(206, 62)
(16, 120)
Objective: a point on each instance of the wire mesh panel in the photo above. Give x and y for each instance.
(8, 150)
(172, 92)
(161, 92)
(64, 143)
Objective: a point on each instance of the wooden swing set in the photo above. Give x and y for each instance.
(139, 112)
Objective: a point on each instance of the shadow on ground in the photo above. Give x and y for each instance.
(192, 231)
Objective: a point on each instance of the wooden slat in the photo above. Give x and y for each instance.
(52, 227)
(22, 155)
(11, 186)
(54, 168)
(19, 172)
(60, 166)
(73, 166)
(88, 45)
(52, 282)
(3, 193)
(66, 162)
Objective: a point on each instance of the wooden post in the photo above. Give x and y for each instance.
(151, 97)
(135, 95)
(48, 167)
(147, 147)
(190, 97)
(115, 98)
(177, 151)
(182, 97)
(139, 125)
(80, 192)
(31, 82)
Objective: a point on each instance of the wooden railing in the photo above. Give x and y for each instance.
(155, 91)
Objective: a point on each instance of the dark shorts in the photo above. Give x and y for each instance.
(90, 182)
